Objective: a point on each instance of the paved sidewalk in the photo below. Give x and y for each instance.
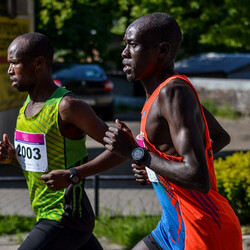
(114, 200)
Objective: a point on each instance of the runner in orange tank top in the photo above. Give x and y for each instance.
(216, 215)
(176, 145)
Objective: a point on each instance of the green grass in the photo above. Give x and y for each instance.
(13, 224)
(245, 229)
(126, 231)
(123, 108)
(224, 111)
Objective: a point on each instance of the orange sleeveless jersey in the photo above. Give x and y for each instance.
(210, 222)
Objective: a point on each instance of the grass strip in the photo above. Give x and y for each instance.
(122, 230)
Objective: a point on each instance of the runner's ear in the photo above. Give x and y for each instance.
(40, 61)
(164, 49)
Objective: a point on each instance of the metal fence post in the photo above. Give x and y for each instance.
(96, 186)
(94, 179)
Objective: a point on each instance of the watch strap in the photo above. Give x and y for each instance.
(74, 178)
(72, 171)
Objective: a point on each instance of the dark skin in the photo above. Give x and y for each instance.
(76, 118)
(150, 61)
(175, 125)
(40, 87)
(219, 138)
(176, 111)
(182, 136)
(154, 72)
(146, 60)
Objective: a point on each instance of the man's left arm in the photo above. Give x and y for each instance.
(219, 137)
(178, 106)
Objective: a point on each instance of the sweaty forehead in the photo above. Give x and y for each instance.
(136, 31)
(18, 47)
(140, 32)
(131, 33)
(19, 43)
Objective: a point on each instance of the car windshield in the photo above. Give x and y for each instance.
(92, 73)
(81, 73)
(88, 72)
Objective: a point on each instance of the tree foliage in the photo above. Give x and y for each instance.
(79, 29)
(85, 29)
(206, 25)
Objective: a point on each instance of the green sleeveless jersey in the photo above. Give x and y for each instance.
(54, 152)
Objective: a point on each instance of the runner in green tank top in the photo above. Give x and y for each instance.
(50, 136)
(50, 205)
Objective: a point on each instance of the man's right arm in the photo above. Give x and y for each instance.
(79, 114)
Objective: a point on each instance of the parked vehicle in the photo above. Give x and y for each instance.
(90, 83)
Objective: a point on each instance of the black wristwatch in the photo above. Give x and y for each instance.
(138, 155)
(74, 177)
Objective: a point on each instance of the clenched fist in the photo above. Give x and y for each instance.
(7, 151)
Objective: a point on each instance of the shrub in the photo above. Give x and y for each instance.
(12, 224)
(225, 110)
(233, 181)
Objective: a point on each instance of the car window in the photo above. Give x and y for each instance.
(81, 73)
(92, 73)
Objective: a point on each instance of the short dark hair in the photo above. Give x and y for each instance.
(163, 27)
(34, 44)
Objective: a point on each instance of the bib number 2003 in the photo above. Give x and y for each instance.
(24, 152)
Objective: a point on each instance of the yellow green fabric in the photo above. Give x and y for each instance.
(62, 153)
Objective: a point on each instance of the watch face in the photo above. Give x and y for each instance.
(138, 154)
(75, 179)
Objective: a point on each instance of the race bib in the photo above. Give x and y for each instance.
(31, 151)
(151, 174)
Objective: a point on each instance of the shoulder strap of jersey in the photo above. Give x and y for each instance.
(149, 103)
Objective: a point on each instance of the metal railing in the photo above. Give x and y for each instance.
(96, 179)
